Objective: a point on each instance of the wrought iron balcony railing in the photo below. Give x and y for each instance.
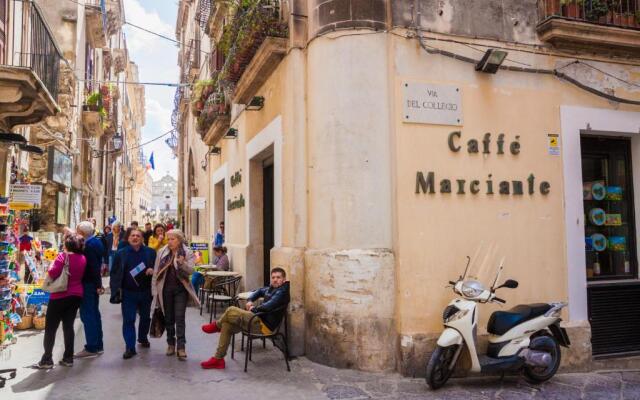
(29, 43)
(619, 13)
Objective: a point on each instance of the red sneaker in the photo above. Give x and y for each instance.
(213, 363)
(210, 328)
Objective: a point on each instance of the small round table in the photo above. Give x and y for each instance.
(206, 266)
(221, 273)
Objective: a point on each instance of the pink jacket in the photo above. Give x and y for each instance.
(77, 263)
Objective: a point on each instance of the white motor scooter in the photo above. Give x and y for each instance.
(525, 338)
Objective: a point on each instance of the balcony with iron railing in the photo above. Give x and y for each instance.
(29, 66)
(610, 25)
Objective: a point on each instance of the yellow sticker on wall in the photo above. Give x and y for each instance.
(553, 141)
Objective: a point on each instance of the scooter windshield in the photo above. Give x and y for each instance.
(484, 265)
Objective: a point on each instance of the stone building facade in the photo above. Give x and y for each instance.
(164, 197)
(368, 147)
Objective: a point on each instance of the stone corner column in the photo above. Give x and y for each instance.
(349, 305)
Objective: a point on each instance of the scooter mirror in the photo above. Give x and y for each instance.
(510, 283)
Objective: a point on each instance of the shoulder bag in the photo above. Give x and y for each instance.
(60, 283)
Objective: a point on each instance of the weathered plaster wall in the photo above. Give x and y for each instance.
(494, 19)
(350, 277)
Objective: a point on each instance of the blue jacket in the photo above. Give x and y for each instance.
(93, 252)
(116, 277)
(273, 298)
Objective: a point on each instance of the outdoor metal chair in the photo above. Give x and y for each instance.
(225, 292)
(204, 293)
(277, 334)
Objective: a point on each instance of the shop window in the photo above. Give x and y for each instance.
(608, 206)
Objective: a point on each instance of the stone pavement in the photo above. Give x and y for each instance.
(152, 375)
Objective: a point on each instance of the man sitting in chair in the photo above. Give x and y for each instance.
(235, 319)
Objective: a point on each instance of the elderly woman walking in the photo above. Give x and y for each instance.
(172, 289)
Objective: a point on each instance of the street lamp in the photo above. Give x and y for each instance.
(117, 141)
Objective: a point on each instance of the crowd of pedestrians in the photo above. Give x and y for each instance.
(154, 266)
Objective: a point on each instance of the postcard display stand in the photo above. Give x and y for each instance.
(23, 261)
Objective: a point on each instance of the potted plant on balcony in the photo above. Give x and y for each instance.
(572, 8)
(552, 7)
(597, 11)
(93, 102)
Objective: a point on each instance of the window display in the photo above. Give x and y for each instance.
(608, 206)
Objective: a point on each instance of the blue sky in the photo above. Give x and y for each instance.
(157, 62)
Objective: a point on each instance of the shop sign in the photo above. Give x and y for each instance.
(59, 167)
(427, 103)
(201, 250)
(427, 183)
(236, 178)
(25, 197)
(198, 203)
(237, 202)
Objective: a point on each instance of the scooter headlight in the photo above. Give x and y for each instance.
(472, 289)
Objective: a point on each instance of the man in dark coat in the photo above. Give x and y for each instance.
(130, 283)
(92, 286)
(276, 297)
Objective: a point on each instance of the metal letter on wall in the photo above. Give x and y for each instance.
(426, 103)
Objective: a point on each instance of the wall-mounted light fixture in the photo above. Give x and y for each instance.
(256, 103)
(117, 141)
(215, 150)
(232, 133)
(491, 61)
(12, 138)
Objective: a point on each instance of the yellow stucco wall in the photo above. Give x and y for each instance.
(436, 231)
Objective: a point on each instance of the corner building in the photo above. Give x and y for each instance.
(364, 152)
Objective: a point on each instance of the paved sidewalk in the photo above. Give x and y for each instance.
(152, 375)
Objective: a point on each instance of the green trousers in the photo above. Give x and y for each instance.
(233, 321)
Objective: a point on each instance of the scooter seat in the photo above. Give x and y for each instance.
(501, 321)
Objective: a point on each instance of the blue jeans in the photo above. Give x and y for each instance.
(135, 303)
(111, 255)
(197, 279)
(91, 319)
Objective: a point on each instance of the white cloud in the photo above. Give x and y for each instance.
(137, 39)
(159, 112)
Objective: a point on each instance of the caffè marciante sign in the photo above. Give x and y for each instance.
(429, 183)
(427, 103)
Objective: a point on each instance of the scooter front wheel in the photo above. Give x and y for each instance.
(440, 366)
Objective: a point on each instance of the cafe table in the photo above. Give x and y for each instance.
(221, 273)
(206, 267)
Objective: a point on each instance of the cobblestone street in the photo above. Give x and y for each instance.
(152, 375)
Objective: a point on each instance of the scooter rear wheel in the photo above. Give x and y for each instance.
(440, 367)
(550, 345)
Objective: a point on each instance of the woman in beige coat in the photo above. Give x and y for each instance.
(172, 289)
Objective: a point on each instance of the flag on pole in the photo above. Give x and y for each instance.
(151, 162)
